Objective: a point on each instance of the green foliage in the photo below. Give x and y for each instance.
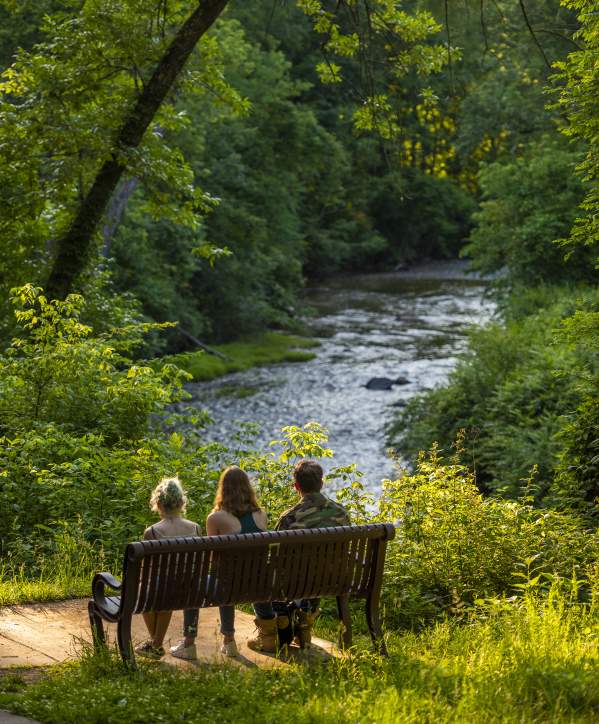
(455, 547)
(421, 216)
(577, 98)
(400, 42)
(263, 349)
(56, 373)
(577, 479)
(20, 24)
(510, 393)
(535, 661)
(61, 103)
(577, 89)
(76, 417)
(527, 203)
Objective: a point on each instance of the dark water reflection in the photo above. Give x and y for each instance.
(404, 324)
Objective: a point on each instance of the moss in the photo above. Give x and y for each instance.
(268, 348)
(235, 391)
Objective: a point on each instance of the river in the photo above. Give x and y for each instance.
(405, 324)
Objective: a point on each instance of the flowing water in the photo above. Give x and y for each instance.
(411, 325)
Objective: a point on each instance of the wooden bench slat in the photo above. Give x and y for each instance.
(367, 571)
(200, 578)
(358, 563)
(328, 574)
(298, 581)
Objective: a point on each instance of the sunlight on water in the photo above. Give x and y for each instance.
(392, 325)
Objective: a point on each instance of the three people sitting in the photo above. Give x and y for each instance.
(236, 510)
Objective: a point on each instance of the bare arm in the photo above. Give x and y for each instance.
(212, 524)
(261, 519)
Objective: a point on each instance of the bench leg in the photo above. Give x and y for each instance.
(345, 618)
(95, 620)
(123, 633)
(374, 626)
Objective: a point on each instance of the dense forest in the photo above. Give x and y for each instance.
(172, 175)
(285, 177)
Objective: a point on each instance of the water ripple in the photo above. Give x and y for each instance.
(368, 326)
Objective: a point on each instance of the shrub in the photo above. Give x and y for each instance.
(454, 546)
(77, 417)
(528, 203)
(56, 371)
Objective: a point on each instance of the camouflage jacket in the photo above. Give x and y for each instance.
(313, 511)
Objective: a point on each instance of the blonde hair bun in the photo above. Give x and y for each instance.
(168, 496)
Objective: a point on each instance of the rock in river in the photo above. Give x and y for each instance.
(379, 383)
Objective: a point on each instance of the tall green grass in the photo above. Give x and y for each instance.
(535, 660)
(66, 573)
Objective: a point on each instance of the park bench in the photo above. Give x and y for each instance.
(178, 573)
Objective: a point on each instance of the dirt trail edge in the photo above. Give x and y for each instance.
(44, 634)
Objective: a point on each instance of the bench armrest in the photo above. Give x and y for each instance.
(107, 579)
(106, 608)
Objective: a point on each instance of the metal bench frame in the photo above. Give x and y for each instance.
(178, 573)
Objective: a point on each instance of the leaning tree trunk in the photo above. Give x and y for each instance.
(115, 212)
(74, 249)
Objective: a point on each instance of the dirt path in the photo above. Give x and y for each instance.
(7, 718)
(50, 633)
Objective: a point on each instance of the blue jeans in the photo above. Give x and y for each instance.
(310, 605)
(262, 609)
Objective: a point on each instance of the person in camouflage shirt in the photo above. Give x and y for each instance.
(314, 510)
(285, 620)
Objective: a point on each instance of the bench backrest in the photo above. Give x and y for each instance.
(177, 573)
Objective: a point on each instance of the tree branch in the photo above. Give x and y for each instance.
(560, 35)
(75, 247)
(533, 34)
(483, 25)
(449, 61)
(205, 347)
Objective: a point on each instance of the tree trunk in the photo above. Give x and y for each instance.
(75, 248)
(115, 213)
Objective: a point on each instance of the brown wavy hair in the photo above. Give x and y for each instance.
(234, 493)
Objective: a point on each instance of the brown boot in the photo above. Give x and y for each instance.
(266, 640)
(303, 631)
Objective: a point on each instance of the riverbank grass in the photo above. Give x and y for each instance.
(264, 349)
(533, 661)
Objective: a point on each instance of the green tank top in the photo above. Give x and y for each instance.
(248, 524)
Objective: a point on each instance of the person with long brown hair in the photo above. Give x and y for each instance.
(235, 510)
